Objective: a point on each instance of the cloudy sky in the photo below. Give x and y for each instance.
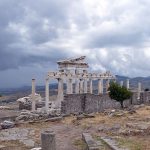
(34, 34)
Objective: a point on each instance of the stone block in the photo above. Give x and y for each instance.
(90, 142)
(48, 140)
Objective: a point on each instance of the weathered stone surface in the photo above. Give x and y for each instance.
(39, 148)
(22, 135)
(139, 125)
(2, 146)
(7, 124)
(133, 132)
(48, 140)
(112, 143)
(32, 116)
(90, 142)
(54, 119)
(28, 142)
(90, 103)
(106, 128)
(83, 116)
(26, 102)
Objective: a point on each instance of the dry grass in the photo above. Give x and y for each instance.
(133, 142)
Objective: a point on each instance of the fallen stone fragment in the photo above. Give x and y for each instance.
(2, 146)
(39, 148)
(131, 112)
(139, 125)
(4, 107)
(84, 116)
(114, 145)
(106, 128)
(90, 142)
(28, 142)
(133, 132)
(54, 119)
(7, 124)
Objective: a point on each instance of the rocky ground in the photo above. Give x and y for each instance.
(129, 128)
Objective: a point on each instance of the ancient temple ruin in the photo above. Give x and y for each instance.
(73, 72)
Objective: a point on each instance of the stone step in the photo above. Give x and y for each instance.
(90, 142)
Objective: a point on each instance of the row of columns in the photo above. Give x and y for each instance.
(139, 89)
(127, 84)
(80, 87)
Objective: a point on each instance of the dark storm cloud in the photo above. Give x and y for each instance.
(24, 25)
(111, 35)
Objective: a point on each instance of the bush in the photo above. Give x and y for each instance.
(119, 93)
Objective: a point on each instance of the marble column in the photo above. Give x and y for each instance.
(121, 83)
(60, 95)
(100, 86)
(81, 86)
(107, 85)
(69, 86)
(48, 141)
(77, 86)
(33, 95)
(47, 95)
(139, 89)
(128, 84)
(91, 86)
(85, 85)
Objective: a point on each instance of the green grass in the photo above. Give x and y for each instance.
(131, 144)
(80, 144)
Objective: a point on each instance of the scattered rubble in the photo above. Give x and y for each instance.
(26, 115)
(83, 116)
(22, 135)
(106, 128)
(4, 108)
(7, 124)
(26, 102)
(54, 119)
(113, 144)
(145, 126)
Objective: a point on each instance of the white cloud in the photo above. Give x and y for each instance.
(114, 35)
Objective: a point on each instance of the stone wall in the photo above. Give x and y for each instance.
(89, 103)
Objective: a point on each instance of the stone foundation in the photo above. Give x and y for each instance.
(90, 103)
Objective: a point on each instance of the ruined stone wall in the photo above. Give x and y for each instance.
(89, 103)
(145, 97)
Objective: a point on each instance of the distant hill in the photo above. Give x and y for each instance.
(134, 81)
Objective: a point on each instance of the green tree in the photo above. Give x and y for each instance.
(119, 93)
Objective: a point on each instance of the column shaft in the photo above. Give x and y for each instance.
(81, 86)
(47, 95)
(85, 85)
(91, 86)
(107, 85)
(60, 95)
(139, 90)
(69, 86)
(128, 84)
(33, 95)
(77, 86)
(100, 86)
